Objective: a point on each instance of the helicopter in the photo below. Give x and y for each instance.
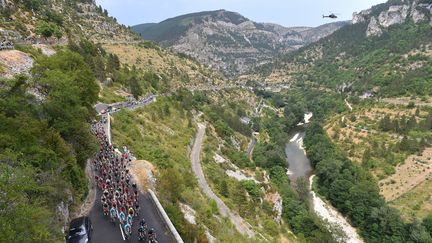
(331, 16)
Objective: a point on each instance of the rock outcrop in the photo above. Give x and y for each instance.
(13, 62)
(373, 28)
(409, 10)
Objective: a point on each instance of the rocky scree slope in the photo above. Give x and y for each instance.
(229, 42)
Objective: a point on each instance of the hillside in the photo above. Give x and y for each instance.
(44, 28)
(21, 20)
(62, 61)
(229, 42)
(386, 50)
(216, 154)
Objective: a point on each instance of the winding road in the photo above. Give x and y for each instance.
(237, 221)
(251, 146)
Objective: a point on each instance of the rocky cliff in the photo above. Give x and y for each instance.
(389, 14)
(229, 42)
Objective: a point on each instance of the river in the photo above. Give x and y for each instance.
(300, 166)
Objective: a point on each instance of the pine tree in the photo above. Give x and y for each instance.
(135, 87)
(224, 189)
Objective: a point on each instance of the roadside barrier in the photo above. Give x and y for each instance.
(165, 217)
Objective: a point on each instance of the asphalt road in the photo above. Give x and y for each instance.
(251, 146)
(237, 221)
(106, 232)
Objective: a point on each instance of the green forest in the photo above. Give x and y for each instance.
(374, 62)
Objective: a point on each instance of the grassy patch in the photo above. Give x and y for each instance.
(417, 203)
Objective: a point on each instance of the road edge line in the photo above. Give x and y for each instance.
(165, 217)
(121, 230)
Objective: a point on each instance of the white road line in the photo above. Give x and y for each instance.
(121, 230)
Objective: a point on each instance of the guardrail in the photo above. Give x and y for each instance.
(165, 217)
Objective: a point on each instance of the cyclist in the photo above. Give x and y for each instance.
(129, 219)
(151, 234)
(122, 217)
(113, 213)
(103, 199)
(141, 233)
(137, 208)
(128, 230)
(131, 211)
(105, 209)
(143, 223)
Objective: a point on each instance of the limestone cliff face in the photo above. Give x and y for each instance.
(229, 42)
(406, 10)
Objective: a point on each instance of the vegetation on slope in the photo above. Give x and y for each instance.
(395, 63)
(57, 19)
(45, 143)
(161, 134)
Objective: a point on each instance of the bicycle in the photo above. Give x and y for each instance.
(142, 233)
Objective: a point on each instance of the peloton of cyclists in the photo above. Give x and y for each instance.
(119, 198)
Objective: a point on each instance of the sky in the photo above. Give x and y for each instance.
(284, 12)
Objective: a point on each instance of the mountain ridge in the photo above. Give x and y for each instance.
(347, 56)
(229, 42)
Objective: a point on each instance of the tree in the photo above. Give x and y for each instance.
(45, 29)
(366, 157)
(135, 87)
(224, 189)
(418, 232)
(34, 5)
(385, 124)
(113, 63)
(427, 223)
(252, 188)
(302, 188)
(66, 81)
(411, 105)
(58, 34)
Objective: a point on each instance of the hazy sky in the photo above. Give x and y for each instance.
(284, 12)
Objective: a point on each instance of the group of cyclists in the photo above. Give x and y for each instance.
(119, 193)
